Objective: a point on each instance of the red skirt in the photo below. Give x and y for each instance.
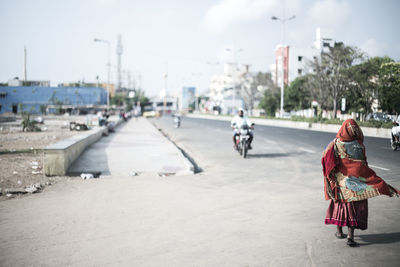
(354, 214)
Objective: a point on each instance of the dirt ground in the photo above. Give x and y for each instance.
(21, 156)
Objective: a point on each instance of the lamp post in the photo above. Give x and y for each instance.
(283, 20)
(108, 67)
(234, 52)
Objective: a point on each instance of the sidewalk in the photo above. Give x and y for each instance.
(136, 147)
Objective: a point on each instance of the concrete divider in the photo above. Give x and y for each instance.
(59, 156)
(332, 128)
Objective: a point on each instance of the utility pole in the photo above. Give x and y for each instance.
(108, 67)
(139, 82)
(130, 80)
(166, 87)
(119, 54)
(283, 21)
(25, 57)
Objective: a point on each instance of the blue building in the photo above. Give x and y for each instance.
(36, 99)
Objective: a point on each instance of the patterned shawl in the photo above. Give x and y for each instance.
(347, 176)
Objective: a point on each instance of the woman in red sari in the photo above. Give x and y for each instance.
(349, 182)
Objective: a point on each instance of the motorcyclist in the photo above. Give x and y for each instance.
(396, 129)
(177, 120)
(237, 122)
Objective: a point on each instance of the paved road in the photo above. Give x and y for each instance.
(206, 134)
(266, 210)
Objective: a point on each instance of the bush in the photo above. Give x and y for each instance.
(29, 125)
(376, 124)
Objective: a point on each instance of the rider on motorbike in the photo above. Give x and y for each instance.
(238, 121)
(396, 129)
(177, 120)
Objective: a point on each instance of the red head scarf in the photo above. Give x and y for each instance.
(350, 131)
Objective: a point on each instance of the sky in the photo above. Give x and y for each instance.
(186, 39)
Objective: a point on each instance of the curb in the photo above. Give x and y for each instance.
(190, 167)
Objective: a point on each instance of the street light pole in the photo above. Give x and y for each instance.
(234, 75)
(283, 20)
(108, 67)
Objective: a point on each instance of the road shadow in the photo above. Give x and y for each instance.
(385, 238)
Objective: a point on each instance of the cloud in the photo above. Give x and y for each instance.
(373, 48)
(330, 14)
(227, 12)
(106, 3)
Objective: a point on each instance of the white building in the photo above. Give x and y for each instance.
(227, 90)
(300, 58)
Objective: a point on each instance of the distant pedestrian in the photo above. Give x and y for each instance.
(137, 110)
(349, 182)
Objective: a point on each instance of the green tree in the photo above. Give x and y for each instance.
(389, 87)
(331, 72)
(297, 95)
(262, 81)
(364, 84)
(270, 101)
(122, 99)
(270, 92)
(118, 99)
(140, 97)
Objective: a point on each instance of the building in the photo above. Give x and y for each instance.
(281, 62)
(163, 105)
(39, 99)
(17, 82)
(297, 62)
(230, 90)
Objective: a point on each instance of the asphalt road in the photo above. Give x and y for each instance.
(205, 135)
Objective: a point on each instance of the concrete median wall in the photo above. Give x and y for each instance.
(331, 128)
(59, 156)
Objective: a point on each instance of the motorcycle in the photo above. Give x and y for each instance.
(177, 121)
(242, 142)
(395, 140)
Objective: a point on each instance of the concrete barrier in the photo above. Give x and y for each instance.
(331, 128)
(59, 156)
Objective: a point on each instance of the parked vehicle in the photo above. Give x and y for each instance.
(76, 126)
(149, 112)
(379, 116)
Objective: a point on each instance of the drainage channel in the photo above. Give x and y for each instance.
(196, 167)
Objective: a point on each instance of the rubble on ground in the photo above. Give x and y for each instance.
(21, 156)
